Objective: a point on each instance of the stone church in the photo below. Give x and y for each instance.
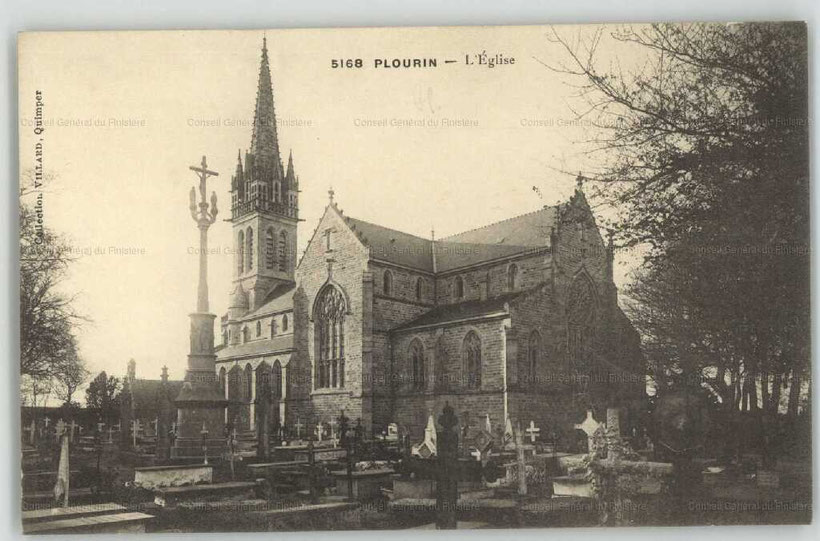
(517, 319)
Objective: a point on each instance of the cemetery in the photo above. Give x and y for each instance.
(455, 477)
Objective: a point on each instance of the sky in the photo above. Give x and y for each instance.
(127, 113)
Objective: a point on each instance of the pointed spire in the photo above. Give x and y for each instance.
(265, 142)
(289, 175)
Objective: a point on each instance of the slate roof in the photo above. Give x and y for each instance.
(394, 246)
(532, 229)
(265, 346)
(501, 239)
(463, 310)
(146, 395)
(280, 299)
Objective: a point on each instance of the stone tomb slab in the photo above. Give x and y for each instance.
(367, 484)
(164, 497)
(153, 477)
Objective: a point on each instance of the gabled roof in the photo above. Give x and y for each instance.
(501, 239)
(394, 246)
(532, 230)
(147, 394)
(464, 310)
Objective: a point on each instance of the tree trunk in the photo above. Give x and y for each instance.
(777, 387)
(794, 394)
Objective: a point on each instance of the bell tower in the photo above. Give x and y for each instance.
(264, 207)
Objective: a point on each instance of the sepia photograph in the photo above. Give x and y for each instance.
(475, 277)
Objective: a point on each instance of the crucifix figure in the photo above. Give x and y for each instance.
(533, 431)
(204, 217)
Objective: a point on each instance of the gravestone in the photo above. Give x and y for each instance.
(427, 448)
(589, 426)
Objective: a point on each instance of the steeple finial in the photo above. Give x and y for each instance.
(265, 141)
(579, 182)
(330, 194)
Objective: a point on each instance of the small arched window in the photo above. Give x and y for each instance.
(284, 323)
(419, 288)
(387, 284)
(245, 334)
(270, 249)
(512, 277)
(417, 364)
(240, 259)
(258, 328)
(272, 327)
(472, 360)
(249, 240)
(283, 251)
(533, 357)
(459, 287)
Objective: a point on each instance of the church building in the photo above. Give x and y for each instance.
(518, 319)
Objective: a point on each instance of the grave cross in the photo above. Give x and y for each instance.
(46, 421)
(533, 431)
(319, 431)
(333, 431)
(110, 434)
(299, 426)
(589, 426)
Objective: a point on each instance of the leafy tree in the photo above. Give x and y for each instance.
(704, 150)
(102, 397)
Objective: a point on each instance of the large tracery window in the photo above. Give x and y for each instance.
(580, 325)
(417, 364)
(329, 326)
(240, 263)
(472, 360)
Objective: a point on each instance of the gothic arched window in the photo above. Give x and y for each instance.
(249, 240)
(512, 277)
(272, 327)
(580, 324)
(329, 318)
(419, 287)
(258, 328)
(284, 323)
(417, 364)
(441, 375)
(245, 334)
(387, 286)
(276, 381)
(459, 287)
(223, 389)
(240, 242)
(533, 357)
(283, 251)
(472, 360)
(248, 381)
(270, 249)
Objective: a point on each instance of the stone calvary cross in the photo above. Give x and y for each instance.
(589, 426)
